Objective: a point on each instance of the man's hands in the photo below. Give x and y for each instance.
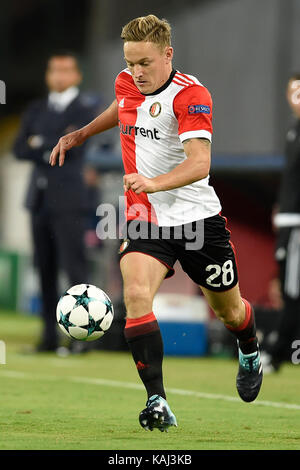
(65, 143)
(139, 183)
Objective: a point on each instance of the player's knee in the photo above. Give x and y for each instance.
(231, 315)
(136, 296)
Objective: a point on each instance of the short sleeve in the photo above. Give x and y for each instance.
(124, 85)
(193, 110)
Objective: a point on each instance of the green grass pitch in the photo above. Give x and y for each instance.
(92, 401)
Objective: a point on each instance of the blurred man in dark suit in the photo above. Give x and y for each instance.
(58, 198)
(286, 220)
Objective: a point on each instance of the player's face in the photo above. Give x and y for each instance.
(62, 73)
(149, 65)
(293, 96)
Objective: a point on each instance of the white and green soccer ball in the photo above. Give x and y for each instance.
(84, 312)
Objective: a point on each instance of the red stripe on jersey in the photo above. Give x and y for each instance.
(137, 205)
(179, 79)
(180, 83)
(186, 78)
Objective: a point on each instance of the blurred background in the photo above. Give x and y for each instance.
(243, 51)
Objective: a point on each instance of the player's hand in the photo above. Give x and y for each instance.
(65, 143)
(138, 183)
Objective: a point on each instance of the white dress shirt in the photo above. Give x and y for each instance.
(61, 100)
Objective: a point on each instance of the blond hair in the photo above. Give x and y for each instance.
(148, 29)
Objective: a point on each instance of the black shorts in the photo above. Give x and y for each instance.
(203, 249)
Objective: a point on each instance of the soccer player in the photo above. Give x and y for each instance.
(287, 223)
(165, 121)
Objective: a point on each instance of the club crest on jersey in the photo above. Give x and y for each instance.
(155, 109)
(198, 108)
(124, 245)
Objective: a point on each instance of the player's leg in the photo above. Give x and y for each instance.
(45, 252)
(142, 276)
(69, 232)
(213, 267)
(238, 317)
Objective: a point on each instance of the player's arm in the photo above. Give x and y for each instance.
(194, 168)
(105, 121)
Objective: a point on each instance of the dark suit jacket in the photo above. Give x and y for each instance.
(57, 189)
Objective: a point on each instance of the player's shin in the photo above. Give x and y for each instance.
(145, 342)
(246, 332)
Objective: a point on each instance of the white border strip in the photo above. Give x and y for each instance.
(286, 219)
(136, 386)
(201, 134)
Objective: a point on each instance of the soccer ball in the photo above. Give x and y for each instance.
(84, 312)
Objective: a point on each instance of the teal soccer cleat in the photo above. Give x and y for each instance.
(157, 414)
(250, 375)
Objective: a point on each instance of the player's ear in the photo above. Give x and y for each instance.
(168, 54)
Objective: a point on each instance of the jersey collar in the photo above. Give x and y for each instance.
(164, 86)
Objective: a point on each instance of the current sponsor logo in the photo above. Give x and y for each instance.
(126, 129)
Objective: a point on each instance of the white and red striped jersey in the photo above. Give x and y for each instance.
(153, 128)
